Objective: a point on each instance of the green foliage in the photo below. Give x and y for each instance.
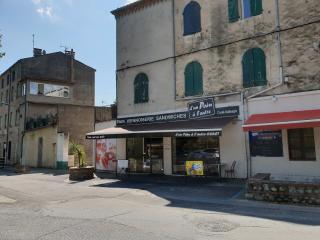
(1, 53)
(78, 150)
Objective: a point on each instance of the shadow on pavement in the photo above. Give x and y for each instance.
(222, 198)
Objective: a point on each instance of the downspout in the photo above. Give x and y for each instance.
(8, 120)
(174, 49)
(25, 122)
(246, 139)
(279, 53)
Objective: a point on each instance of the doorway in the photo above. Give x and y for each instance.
(40, 150)
(153, 155)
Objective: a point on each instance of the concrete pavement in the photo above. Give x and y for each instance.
(46, 205)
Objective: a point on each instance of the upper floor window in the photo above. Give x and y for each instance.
(254, 68)
(193, 79)
(192, 18)
(244, 9)
(141, 88)
(49, 90)
(13, 76)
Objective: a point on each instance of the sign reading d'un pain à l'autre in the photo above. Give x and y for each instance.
(201, 109)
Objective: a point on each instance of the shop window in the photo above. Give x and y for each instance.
(301, 144)
(48, 90)
(193, 79)
(192, 18)
(266, 144)
(244, 9)
(135, 156)
(141, 88)
(204, 149)
(254, 68)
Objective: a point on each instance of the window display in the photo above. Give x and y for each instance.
(204, 149)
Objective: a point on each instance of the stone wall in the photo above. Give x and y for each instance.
(284, 192)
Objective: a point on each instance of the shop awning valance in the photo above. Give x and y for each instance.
(194, 128)
(283, 120)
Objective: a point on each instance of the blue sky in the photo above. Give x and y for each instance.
(84, 25)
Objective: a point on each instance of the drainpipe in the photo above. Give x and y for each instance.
(245, 112)
(174, 49)
(24, 122)
(279, 53)
(8, 120)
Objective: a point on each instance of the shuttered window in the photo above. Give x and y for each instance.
(254, 68)
(192, 18)
(245, 8)
(141, 88)
(233, 6)
(193, 79)
(256, 7)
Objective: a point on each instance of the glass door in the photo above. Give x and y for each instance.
(153, 154)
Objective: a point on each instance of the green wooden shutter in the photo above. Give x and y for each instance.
(259, 59)
(247, 66)
(256, 7)
(188, 76)
(233, 9)
(141, 88)
(197, 78)
(145, 88)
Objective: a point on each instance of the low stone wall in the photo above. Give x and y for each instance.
(283, 192)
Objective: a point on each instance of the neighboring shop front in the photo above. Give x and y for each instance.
(284, 135)
(163, 143)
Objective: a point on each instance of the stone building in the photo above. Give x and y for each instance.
(47, 100)
(244, 57)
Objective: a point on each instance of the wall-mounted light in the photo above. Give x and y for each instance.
(274, 98)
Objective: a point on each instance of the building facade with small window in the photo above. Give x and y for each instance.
(189, 72)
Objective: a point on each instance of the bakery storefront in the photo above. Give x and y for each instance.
(164, 143)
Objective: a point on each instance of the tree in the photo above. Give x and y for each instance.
(1, 53)
(78, 150)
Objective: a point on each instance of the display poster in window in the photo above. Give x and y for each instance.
(266, 144)
(194, 168)
(106, 150)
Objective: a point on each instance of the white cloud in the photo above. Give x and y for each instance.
(45, 11)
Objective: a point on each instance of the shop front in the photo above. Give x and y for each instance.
(284, 133)
(166, 143)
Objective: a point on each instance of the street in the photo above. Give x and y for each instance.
(46, 205)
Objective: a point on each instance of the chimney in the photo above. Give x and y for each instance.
(37, 52)
(70, 53)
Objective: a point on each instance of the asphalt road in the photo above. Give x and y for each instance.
(46, 206)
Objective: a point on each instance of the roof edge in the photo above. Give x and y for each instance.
(134, 7)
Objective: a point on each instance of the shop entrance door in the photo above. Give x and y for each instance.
(153, 154)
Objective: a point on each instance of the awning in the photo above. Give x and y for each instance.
(283, 120)
(194, 128)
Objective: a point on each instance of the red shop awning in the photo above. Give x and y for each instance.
(283, 120)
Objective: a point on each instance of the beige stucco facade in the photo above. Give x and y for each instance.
(150, 40)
